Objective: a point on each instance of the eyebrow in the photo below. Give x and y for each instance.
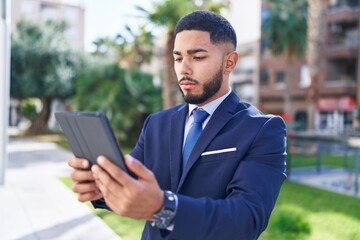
(191, 51)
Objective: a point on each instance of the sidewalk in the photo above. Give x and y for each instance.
(35, 205)
(329, 178)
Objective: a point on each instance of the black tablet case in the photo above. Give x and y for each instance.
(90, 135)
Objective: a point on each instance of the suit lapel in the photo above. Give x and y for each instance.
(176, 142)
(218, 120)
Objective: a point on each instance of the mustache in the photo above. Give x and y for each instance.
(187, 78)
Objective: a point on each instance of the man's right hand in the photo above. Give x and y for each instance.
(84, 182)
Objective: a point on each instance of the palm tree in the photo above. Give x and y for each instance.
(166, 13)
(138, 50)
(130, 49)
(314, 21)
(285, 30)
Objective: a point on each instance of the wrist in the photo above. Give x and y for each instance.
(165, 216)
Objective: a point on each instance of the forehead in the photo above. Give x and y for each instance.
(192, 39)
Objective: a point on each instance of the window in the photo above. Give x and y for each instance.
(72, 16)
(348, 120)
(264, 77)
(305, 79)
(280, 79)
(48, 12)
(26, 7)
(341, 70)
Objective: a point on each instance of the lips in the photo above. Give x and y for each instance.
(187, 85)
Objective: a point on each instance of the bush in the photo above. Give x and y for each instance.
(28, 108)
(291, 223)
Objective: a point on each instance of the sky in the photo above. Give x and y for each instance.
(108, 17)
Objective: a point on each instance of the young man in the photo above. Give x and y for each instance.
(221, 186)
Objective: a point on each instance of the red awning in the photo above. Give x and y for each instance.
(341, 104)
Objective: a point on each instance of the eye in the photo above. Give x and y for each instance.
(178, 59)
(199, 58)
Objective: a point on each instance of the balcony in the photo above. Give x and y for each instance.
(341, 73)
(343, 40)
(343, 4)
(343, 10)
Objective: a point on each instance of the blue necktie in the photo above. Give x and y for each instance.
(194, 133)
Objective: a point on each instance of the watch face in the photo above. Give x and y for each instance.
(166, 215)
(163, 218)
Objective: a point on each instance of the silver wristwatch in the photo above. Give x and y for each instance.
(165, 217)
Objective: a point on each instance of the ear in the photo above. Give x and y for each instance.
(230, 61)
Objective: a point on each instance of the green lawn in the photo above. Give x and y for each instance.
(328, 215)
(302, 160)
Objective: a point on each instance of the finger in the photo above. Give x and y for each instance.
(138, 168)
(82, 176)
(85, 187)
(103, 179)
(90, 196)
(114, 171)
(106, 184)
(79, 163)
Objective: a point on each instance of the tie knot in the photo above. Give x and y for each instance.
(200, 115)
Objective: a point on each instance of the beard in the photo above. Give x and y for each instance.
(210, 88)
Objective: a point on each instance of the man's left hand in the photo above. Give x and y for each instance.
(135, 198)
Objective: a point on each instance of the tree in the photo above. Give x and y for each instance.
(166, 13)
(314, 21)
(285, 30)
(131, 48)
(125, 96)
(138, 49)
(43, 66)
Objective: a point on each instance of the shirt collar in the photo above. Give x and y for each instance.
(211, 106)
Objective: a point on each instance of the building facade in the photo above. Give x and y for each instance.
(337, 86)
(41, 10)
(245, 18)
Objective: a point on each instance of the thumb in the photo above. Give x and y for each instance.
(138, 168)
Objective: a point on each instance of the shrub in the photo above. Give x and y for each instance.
(291, 222)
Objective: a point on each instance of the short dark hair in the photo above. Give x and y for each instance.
(219, 28)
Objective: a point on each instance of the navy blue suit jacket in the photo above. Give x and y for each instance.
(233, 176)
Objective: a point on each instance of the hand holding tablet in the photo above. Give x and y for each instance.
(90, 135)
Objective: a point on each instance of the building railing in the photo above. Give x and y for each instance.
(344, 4)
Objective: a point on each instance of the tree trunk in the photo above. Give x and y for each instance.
(39, 125)
(314, 21)
(170, 84)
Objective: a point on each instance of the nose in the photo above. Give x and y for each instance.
(185, 67)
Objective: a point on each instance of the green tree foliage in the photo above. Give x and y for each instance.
(131, 49)
(42, 66)
(125, 96)
(166, 13)
(285, 32)
(285, 28)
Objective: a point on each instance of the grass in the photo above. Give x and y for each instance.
(329, 215)
(303, 160)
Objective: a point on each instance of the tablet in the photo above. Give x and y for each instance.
(90, 135)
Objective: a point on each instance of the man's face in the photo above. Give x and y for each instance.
(199, 67)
